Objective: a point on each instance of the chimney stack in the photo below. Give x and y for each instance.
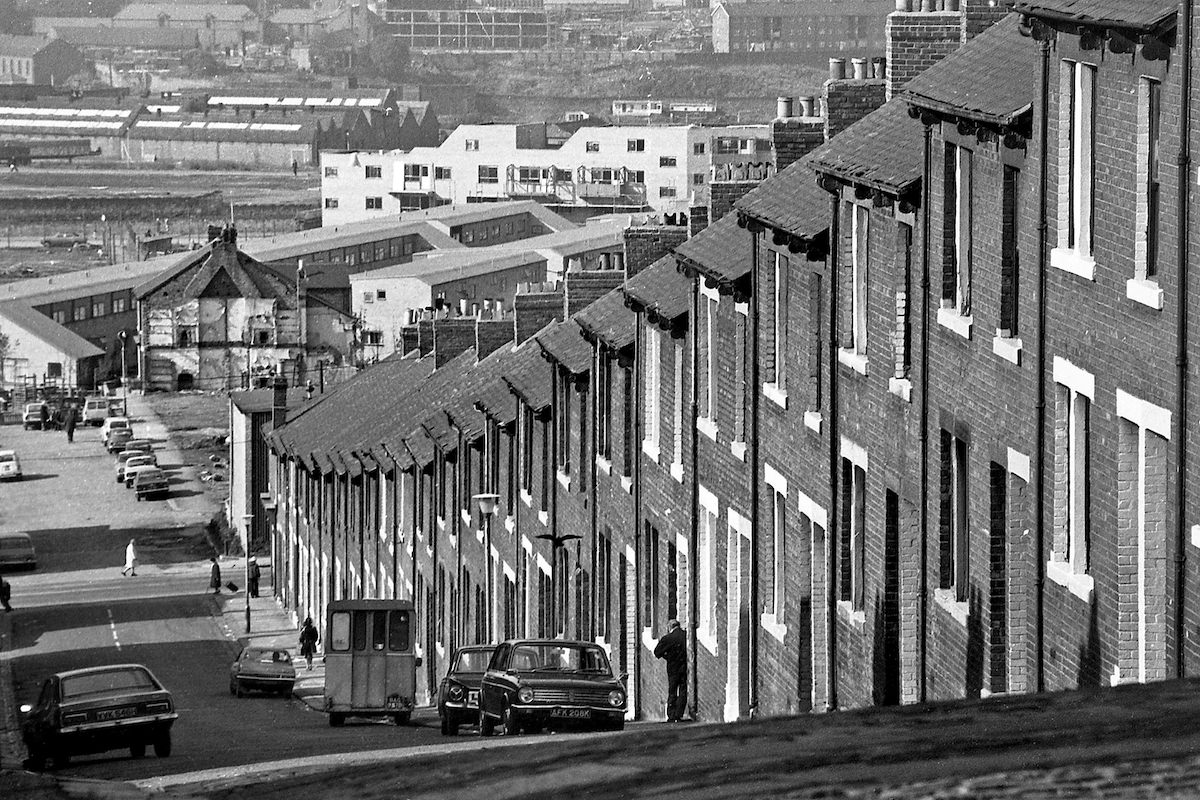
(278, 403)
(918, 39)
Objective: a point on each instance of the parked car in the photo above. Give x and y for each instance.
(132, 458)
(145, 445)
(117, 439)
(16, 552)
(10, 466)
(31, 417)
(136, 465)
(151, 483)
(458, 696)
(111, 424)
(532, 684)
(98, 709)
(264, 668)
(95, 411)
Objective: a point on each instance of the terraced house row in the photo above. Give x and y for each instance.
(910, 422)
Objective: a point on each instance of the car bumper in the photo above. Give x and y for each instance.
(459, 712)
(267, 681)
(157, 720)
(570, 714)
(10, 474)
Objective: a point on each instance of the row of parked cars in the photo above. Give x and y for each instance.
(137, 465)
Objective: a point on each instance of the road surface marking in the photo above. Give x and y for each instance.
(174, 506)
(113, 626)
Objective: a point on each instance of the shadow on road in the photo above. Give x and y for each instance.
(66, 549)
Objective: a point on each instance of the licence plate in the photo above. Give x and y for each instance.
(393, 702)
(473, 698)
(106, 714)
(572, 713)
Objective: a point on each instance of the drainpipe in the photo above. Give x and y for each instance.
(1181, 360)
(1040, 410)
(834, 467)
(693, 417)
(755, 393)
(639, 567)
(923, 589)
(562, 585)
(593, 413)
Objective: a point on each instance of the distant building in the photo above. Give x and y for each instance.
(629, 168)
(227, 28)
(41, 349)
(804, 26)
(301, 26)
(429, 27)
(38, 60)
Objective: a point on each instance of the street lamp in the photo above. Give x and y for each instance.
(487, 508)
(556, 541)
(247, 519)
(123, 335)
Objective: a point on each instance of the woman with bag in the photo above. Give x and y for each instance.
(308, 640)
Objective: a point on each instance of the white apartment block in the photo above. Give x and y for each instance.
(661, 168)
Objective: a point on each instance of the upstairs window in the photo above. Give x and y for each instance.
(374, 172)
(1076, 168)
(472, 144)
(441, 173)
(1147, 211)
(666, 161)
(636, 145)
(956, 231)
(489, 174)
(331, 172)
(592, 147)
(375, 203)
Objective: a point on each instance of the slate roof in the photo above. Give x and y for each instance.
(723, 248)
(259, 401)
(661, 290)
(790, 201)
(38, 324)
(809, 9)
(883, 150)
(443, 383)
(22, 46)
(484, 379)
(252, 277)
(184, 12)
(528, 376)
(564, 342)
(964, 84)
(1143, 15)
(148, 38)
(608, 320)
(494, 397)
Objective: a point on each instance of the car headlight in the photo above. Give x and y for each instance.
(455, 692)
(525, 694)
(616, 698)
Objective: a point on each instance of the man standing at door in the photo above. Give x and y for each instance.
(673, 649)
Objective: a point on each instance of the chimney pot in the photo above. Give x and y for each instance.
(902, 6)
(860, 68)
(837, 69)
(806, 106)
(462, 306)
(783, 108)
(498, 307)
(879, 67)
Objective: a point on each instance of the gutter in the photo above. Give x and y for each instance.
(923, 589)
(755, 491)
(1040, 406)
(831, 534)
(1183, 175)
(694, 558)
(638, 520)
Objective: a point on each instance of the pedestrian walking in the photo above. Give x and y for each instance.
(131, 559)
(254, 574)
(308, 640)
(214, 582)
(5, 594)
(295, 167)
(673, 649)
(70, 425)
(44, 413)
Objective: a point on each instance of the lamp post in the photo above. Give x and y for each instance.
(487, 508)
(556, 541)
(247, 520)
(123, 335)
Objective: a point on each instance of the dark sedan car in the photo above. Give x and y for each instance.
(532, 684)
(268, 669)
(458, 696)
(99, 709)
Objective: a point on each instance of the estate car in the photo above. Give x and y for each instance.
(10, 466)
(98, 709)
(458, 696)
(269, 669)
(16, 552)
(532, 684)
(150, 483)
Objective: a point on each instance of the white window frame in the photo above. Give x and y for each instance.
(1144, 288)
(1076, 169)
(652, 392)
(706, 421)
(955, 312)
(677, 414)
(708, 526)
(776, 390)
(1068, 565)
(773, 620)
(855, 607)
(855, 356)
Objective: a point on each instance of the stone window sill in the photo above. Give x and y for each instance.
(856, 619)
(1074, 262)
(960, 610)
(651, 449)
(677, 472)
(773, 626)
(776, 394)
(853, 360)
(901, 387)
(1144, 291)
(708, 639)
(739, 450)
(604, 465)
(1008, 348)
(812, 421)
(708, 427)
(1079, 584)
(627, 484)
(956, 322)
(544, 517)
(564, 479)
(510, 524)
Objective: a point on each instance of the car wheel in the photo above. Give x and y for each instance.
(36, 762)
(139, 498)
(137, 750)
(238, 691)
(449, 728)
(337, 720)
(402, 718)
(62, 759)
(619, 725)
(162, 745)
(512, 725)
(232, 688)
(487, 726)
(286, 691)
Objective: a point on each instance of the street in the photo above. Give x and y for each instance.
(77, 609)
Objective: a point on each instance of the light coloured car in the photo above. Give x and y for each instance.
(135, 465)
(267, 669)
(133, 458)
(117, 438)
(10, 466)
(151, 483)
(112, 423)
(95, 411)
(31, 417)
(16, 552)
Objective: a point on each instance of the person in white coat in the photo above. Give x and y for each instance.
(131, 558)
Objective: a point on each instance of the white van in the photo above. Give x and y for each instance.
(95, 411)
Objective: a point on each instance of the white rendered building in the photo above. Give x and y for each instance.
(660, 168)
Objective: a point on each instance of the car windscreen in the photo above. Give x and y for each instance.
(564, 657)
(14, 543)
(473, 661)
(75, 687)
(6, 457)
(269, 656)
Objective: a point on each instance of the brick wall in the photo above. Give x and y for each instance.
(451, 337)
(536, 309)
(409, 340)
(794, 138)
(646, 244)
(916, 40)
(848, 100)
(585, 288)
(979, 15)
(723, 194)
(699, 218)
(491, 335)
(425, 336)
